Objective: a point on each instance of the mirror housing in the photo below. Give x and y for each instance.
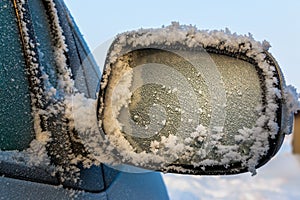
(181, 100)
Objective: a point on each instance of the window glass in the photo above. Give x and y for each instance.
(16, 125)
(44, 39)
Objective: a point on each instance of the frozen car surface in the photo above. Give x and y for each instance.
(43, 57)
(173, 99)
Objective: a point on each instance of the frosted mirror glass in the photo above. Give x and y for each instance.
(174, 105)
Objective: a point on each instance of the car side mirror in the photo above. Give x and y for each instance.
(181, 100)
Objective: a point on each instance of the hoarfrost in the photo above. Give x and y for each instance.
(44, 97)
(101, 147)
(292, 99)
(256, 138)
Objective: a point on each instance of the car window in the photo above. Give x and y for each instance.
(16, 126)
(38, 16)
(43, 33)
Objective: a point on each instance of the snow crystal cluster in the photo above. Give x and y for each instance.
(292, 99)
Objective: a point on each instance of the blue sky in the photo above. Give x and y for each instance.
(276, 21)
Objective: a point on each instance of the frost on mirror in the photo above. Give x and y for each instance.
(166, 101)
(178, 99)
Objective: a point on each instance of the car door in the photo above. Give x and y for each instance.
(43, 58)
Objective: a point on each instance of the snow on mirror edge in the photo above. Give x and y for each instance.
(121, 73)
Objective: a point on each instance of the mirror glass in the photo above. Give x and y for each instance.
(189, 107)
